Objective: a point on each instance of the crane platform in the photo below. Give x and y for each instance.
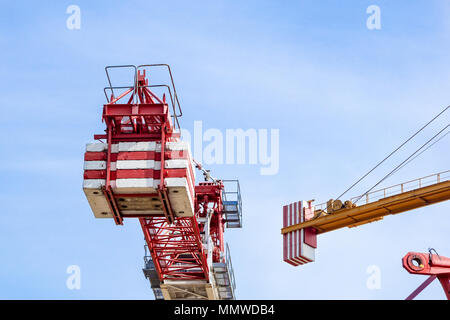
(399, 198)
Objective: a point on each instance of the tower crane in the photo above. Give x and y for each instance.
(140, 168)
(303, 221)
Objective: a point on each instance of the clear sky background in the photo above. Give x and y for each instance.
(342, 96)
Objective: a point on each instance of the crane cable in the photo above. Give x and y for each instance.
(398, 148)
(423, 150)
(206, 173)
(402, 164)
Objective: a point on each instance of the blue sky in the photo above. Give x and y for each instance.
(341, 95)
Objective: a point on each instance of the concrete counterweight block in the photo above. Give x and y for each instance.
(136, 169)
(92, 187)
(180, 180)
(180, 196)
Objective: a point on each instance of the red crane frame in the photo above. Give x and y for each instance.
(175, 243)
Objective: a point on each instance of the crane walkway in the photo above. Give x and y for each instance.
(377, 204)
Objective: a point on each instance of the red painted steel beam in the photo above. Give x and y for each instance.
(176, 248)
(425, 284)
(209, 195)
(428, 264)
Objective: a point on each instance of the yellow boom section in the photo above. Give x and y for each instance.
(377, 204)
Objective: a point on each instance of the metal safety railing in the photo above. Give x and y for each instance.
(395, 189)
(230, 267)
(232, 202)
(151, 274)
(174, 102)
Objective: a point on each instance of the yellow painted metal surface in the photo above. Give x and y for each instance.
(376, 210)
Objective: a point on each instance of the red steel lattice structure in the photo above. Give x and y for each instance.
(176, 248)
(175, 243)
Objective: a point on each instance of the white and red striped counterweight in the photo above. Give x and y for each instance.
(298, 246)
(136, 169)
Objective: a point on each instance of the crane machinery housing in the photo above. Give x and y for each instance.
(140, 168)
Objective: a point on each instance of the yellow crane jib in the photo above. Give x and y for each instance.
(375, 205)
